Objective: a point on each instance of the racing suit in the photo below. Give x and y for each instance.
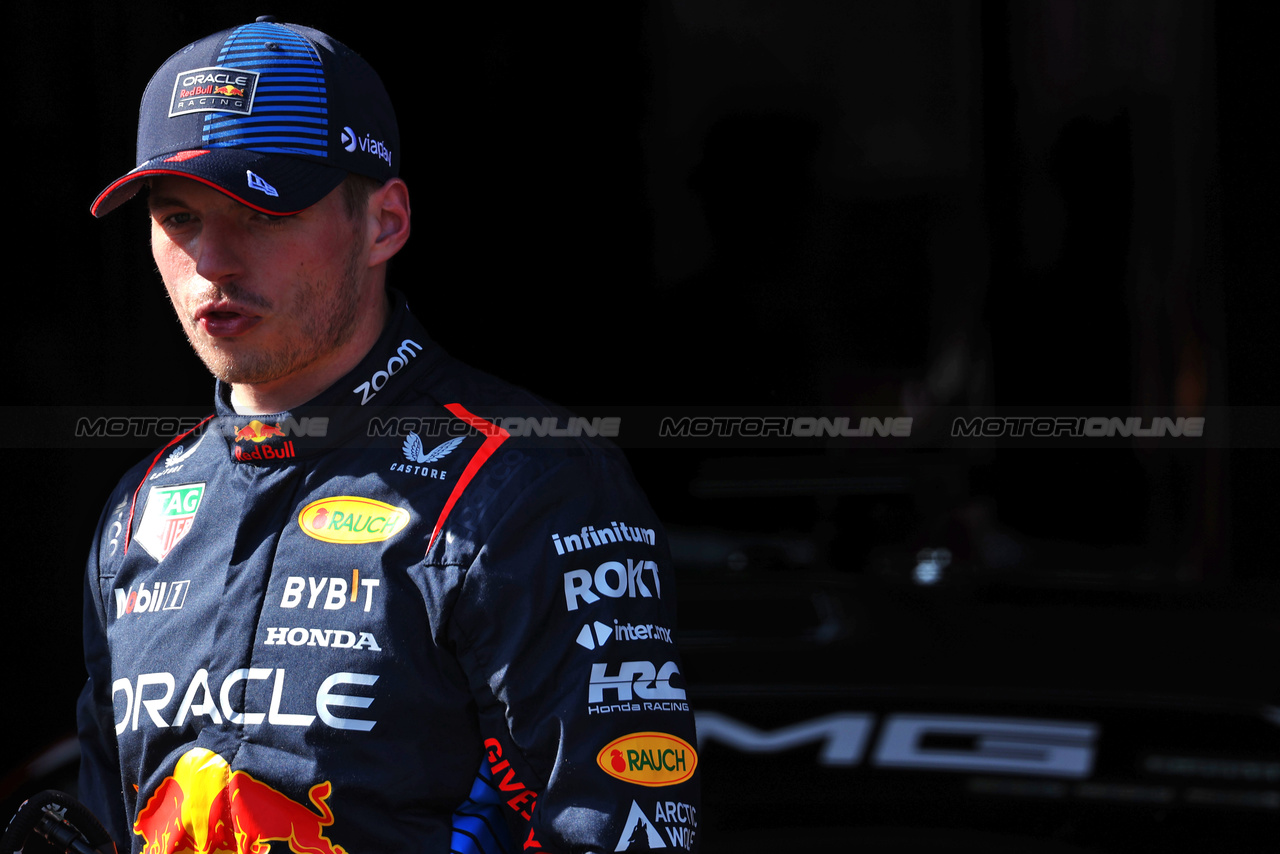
(405, 616)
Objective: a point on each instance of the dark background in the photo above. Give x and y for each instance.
(901, 204)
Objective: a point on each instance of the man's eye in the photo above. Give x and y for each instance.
(174, 220)
(271, 219)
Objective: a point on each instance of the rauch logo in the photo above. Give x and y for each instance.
(350, 520)
(648, 759)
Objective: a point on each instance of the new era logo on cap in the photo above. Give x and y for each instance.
(256, 183)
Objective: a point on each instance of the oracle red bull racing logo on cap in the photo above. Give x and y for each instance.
(168, 517)
(350, 520)
(206, 808)
(648, 759)
(215, 89)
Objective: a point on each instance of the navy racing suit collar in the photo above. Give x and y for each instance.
(340, 415)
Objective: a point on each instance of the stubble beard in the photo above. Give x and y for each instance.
(319, 332)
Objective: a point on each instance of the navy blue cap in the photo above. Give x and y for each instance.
(273, 115)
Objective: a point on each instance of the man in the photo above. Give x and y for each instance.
(352, 611)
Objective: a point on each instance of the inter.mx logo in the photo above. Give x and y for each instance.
(160, 596)
(597, 633)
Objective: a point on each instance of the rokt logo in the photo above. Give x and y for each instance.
(648, 759)
(612, 579)
(206, 807)
(350, 520)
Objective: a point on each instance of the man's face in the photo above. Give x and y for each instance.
(262, 298)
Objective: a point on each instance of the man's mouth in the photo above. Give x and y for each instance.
(222, 320)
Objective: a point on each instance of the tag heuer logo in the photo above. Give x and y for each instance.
(168, 517)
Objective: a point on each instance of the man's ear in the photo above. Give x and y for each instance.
(388, 220)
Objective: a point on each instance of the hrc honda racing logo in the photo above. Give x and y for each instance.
(638, 686)
(204, 807)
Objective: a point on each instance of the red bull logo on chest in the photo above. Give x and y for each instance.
(206, 808)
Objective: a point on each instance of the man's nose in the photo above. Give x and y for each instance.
(219, 254)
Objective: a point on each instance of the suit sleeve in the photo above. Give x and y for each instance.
(565, 625)
(100, 778)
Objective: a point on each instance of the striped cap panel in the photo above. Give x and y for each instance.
(290, 107)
